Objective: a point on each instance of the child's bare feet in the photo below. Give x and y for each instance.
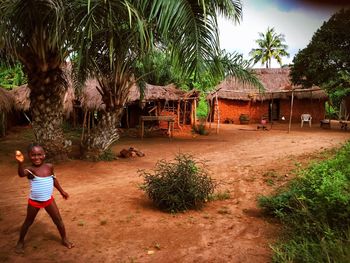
(67, 243)
(19, 248)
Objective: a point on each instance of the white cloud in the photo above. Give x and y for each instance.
(298, 26)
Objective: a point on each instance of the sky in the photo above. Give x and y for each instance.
(297, 20)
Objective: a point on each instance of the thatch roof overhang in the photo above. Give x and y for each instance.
(276, 83)
(92, 99)
(21, 96)
(154, 92)
(6, 100)
(312, 93)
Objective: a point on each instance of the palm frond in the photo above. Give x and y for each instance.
(190, 29)
(44, 28)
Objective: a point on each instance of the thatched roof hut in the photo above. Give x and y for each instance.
(314, 93)
(280, 98)
(276, 82)
(6, 100)
(91, 98)
(21, 96)
(155, 92)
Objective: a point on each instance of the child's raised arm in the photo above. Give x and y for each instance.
(20, 160)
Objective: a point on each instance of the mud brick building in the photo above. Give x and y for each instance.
(232, 99)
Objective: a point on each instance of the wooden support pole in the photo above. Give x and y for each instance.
(89, 123)
(3, 124)
(218, 113)
(184, 112)
(84, 125)
(291, 111)
(271, 122)
(127, 116)
(195, 112)
(192, 114)
(178, 113)
(210, 112)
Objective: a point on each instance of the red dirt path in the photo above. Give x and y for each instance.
(110, 220)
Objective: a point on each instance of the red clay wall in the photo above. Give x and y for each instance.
(314, 107)
(232, 109)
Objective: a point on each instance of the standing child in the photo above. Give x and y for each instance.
(42, 181)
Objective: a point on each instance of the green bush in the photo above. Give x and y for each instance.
(178, 185)
(107, 155)
(315, 207)
(200, 129)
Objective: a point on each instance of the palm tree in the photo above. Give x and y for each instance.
(109, 35)
(37, 34)
(116, 33)
(271, 45)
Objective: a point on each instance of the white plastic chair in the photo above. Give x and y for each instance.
(305, 118)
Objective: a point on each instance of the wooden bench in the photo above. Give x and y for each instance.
(169, 119)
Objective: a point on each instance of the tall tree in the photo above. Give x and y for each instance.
(325, 61)
(108, 35)
(271, 46)
(116, 33)
(37, 34)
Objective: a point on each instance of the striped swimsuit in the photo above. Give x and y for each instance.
(41, 190)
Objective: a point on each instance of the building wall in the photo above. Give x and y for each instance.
(314, 107)
(230, 110)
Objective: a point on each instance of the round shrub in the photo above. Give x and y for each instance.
(178, 185)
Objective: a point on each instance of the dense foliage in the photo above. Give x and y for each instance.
(156, 68)
(179, 185)
(325, 61)
(316, 210)
(11, 76)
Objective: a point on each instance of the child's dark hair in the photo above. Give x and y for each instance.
(32, 145)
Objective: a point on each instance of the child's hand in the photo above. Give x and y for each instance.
(65, 195)
(19, 156)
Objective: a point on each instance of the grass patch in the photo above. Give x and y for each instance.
(315, 208)
(200, 129)
(224, 195)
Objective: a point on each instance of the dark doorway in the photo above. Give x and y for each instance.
(274, 110)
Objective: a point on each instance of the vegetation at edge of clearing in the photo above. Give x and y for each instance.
(326, 59)
(178, 185)
(315, 208)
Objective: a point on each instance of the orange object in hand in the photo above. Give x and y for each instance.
(19, 156)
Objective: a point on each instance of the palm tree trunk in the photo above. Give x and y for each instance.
(102, 136)
(47, 113)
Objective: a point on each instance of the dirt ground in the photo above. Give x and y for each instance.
(111, 220)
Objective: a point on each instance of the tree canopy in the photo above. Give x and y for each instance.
(326, 59)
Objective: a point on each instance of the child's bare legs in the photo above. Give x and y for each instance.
(31, 214)
(53, 211)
